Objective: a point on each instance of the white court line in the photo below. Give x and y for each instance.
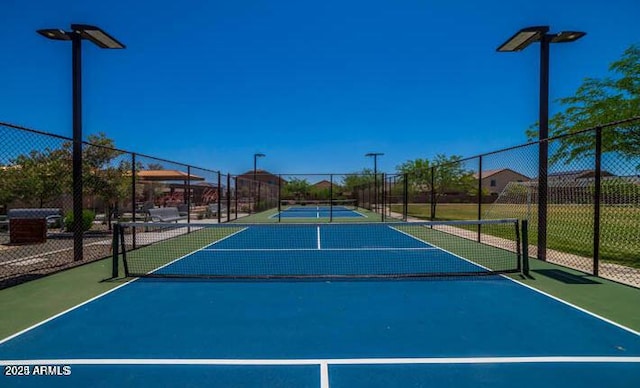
(442, 249)
(99, 296)
(196, 251)
(324, 375)
(330, 361)
(315, 249)
(319, 246)
(557, 299)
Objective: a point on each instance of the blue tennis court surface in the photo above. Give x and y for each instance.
(318, 212)
(462, 332)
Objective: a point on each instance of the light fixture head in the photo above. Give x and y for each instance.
(54, 33)
(96, 35)
(567, 36)
(521, 39)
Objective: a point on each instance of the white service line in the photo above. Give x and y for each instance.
(196, 251)
(324, 375)
(331, 361)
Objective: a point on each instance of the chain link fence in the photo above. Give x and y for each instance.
(37, 199)
(592, 214)
(590, 221)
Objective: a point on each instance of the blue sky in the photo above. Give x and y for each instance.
(314, 85)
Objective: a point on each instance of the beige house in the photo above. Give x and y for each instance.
(494, 181)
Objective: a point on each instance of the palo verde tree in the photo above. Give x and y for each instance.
(599, 101)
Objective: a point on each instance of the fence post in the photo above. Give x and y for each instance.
(279, 198)
(596, 202)
(330, 197)
(228, 196)
(133, 198)
(479, 196)
(405, 199)
(235, 194)
(433, 193)
(383, 199)
(187, 194)
(219, 197)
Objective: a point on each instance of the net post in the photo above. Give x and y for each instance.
(525, 247)
(115, 248)
(124, 252)
(330, 197)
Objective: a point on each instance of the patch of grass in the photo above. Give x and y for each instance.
(570, 227)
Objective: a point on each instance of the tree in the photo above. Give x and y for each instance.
(418, 173)
(320, 192)
(598, 102)
(449, 176)
(40, 177)
(296, 188)
(358, 180)
(104, 175)
(8, 176)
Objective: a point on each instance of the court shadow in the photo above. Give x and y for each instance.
(565, 277)
(115, 280)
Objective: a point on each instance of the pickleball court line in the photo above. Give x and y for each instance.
(557, 299)
(105, 293)
(328, 361)
(324, 364)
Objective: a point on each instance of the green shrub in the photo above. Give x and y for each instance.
(87, 220)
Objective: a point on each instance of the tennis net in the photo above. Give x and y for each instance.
(291, 251)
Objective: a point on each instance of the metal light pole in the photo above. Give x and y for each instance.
(103, 40)
(255, 182)
(519, 42)
(375, 176)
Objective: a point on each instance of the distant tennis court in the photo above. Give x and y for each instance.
(319, 209)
